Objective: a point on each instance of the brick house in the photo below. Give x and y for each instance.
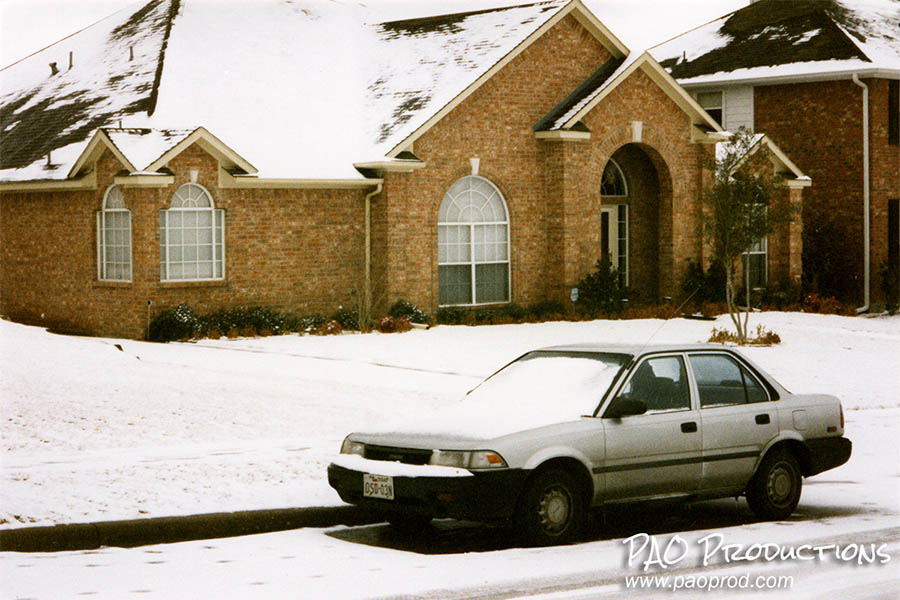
(464, 160)
(822, 79)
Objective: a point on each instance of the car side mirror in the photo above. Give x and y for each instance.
(624, 407)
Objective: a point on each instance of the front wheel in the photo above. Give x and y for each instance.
(551, 510)
(774, 491)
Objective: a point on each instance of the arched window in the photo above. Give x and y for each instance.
(192, 237)
(613, 182)
(114, 238)
(473, 244)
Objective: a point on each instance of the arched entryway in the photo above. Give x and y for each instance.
(636, 219)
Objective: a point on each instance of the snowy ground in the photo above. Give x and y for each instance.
(100, 429)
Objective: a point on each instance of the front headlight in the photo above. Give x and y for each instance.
(465, 459)
(351, 447)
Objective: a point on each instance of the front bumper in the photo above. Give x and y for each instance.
(486, 496)
(827, 453)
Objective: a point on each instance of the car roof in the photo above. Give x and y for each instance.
(636, 349)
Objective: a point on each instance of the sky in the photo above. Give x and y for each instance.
(27, 26)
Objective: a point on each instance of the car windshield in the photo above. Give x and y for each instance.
(571, 381)
(541, 388)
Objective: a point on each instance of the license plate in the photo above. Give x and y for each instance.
(378, 486)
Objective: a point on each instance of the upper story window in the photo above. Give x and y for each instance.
(713, 103)
(473, 244)
(894, 112)
(192, 237)
(613, 182)
(114, 238)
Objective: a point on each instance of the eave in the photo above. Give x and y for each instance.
(229, 181)
(88, 182)
(563, 135)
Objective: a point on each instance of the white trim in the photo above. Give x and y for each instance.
(211, 144)
(103, 244)
(165, 276)
(563, 135)
(794, 78)
(472, 263)
(229, 181)
(93, 150)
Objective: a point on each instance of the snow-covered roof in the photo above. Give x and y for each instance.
(302, 90)
(777, 40)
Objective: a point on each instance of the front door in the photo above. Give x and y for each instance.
(657, 453)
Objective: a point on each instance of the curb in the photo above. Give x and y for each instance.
(165, 530)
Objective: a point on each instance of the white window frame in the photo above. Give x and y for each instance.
(618, 220)
(217, 220)
(760, 248)
(113, 195)
(472, 263)
(720, 107)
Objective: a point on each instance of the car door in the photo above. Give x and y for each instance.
(736, 416)
(657, 453)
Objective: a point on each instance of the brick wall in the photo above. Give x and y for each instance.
(552, 189)
(819, 126)
(294, 250)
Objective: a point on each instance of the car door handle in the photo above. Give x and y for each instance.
(689, 427)
(762, 419)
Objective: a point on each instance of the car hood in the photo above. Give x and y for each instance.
(458, 425)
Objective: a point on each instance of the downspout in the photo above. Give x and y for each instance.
(367, 300)
(866, 226)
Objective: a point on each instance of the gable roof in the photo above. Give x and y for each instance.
(324, 87)
(568, 115)
(777, 40)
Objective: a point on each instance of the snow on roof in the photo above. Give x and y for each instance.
(424, 63)
(773, 39)
(301, 89)
(143, 146)
(51, 104)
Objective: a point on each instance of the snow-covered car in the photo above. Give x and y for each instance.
(562, 430)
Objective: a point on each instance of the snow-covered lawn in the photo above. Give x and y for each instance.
(101, 429)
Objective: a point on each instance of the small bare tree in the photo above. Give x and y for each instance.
(743, 205)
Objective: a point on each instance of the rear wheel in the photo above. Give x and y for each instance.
(551, 510)
(774, 491)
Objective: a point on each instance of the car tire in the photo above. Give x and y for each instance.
(409, 524)
(551, 509)
(774, 491)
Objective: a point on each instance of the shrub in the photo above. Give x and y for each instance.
(408, 310)
(706, 286)
(825, 305)
(601, 292)
(331, 327)
(547, 310)
(763, 337)
(391, 324)
(452, 315)
(348, 319)
(176, 324)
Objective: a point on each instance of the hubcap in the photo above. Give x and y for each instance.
(554, 509)
(781, 485)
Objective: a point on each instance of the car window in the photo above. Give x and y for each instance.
(661, 383)
(721, 381)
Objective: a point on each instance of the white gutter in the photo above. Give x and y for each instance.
(866, 235)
